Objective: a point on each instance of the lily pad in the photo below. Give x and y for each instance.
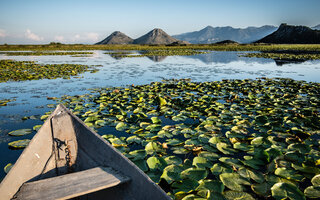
(237, 195)
(234, 181)
(156, 163)
(20, 132)
(286, 190)
(19, 144)
(194, 173)
(8, 167)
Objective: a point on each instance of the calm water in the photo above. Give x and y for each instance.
(31, 96)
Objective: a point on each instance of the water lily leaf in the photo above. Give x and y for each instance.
(7, 168)
(153, 147)
(262, 189)
(230, 161)
(171, 173)
(237, 195)
(137, 154)
(154, 127)
(174, 142)
(154, 175)
(316, 180)
(193, 197)
(19, 144)
(302, 148)
(100, 122)
(242, 146)
(141, 163)
(179, 150)
(134, 139)
(233, 181)
(224, 148)
(201, 162)
(312, 192)
(91, 119)
(288, 174)
(286, 190)
(156, 120)
(162, 101)
(20, 132)
(187, 185)
(173, 160)
(156, 163)
(212, 185)
(209, 155)
(194, 173)
(121, 126)
(218, 169)
(36, 127)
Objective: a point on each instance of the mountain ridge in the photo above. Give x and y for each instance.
(289, 34)
(116, 37)
(211, 34)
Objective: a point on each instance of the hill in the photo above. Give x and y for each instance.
(156, 36)
(117, 38)
(287, 34)
(216, 34)
(316, 27)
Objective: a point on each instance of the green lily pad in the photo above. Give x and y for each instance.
(156, 120)
(187, 185)
(194, 173)
(8, 167)
(173, 160)
(19, 144)
(171, 173)
(153, 147)
(134, 139)
(20, 132)
(212, 185)
(141, 163)
(288, 174)
(237, 195)
(137, 154)
(121, 126)
(156, 163)
(286, 190)
(234, 181)
(36, 127)
(316, 180)
(312, 192)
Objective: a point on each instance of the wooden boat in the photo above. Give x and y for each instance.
(66, 159)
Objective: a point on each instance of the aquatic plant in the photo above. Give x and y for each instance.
(284, 56)
(229, 139)
(47, 53)
(11, 70)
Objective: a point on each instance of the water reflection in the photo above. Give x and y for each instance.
(31, 96)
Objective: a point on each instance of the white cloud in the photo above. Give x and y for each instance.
(32, 36)
(92, 36)
(59, 38)
(86, 37)
(3, 33)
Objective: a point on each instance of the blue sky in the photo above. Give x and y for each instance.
(88, 21)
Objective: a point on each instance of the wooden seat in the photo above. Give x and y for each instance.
(72, 185)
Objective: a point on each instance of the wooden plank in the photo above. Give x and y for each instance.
(72, 185)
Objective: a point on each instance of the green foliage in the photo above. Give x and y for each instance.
(11, 70)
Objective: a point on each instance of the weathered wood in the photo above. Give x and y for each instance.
(79, 148)
(72, 185)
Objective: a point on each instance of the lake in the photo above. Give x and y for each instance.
(31, 96)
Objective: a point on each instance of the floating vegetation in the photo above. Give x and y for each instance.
(19, 144)
(20, 132)
(162, 52)
(47, 53)
(284, 56)
(213, 47)
(7, 168)
(11, 70)
(229, 139)
(4, 102)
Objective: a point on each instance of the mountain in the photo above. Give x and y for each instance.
(156, 36)
(216, 34)
(117, 38)
(316, 27)
(287, 34)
